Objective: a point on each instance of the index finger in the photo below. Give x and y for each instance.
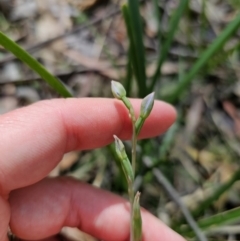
(34, 138)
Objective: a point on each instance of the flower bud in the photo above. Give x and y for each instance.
(137, 219)
(125, 163)
(118, 90)
(146, 108)
(147, 105)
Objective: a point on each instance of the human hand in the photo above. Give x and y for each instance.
(33, 141)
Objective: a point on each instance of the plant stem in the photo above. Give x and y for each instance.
(134, 135)
(134, 145)
(131, 191)
(131, 199)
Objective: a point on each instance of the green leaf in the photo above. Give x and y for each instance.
(25, 57)
(215, 196)
(133, 23)
(173, 26)
(203, 60)
(227, 217)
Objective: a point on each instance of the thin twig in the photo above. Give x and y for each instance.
(176, 198)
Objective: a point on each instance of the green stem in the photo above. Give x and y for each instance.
(131, 199)
(134, 136)
(134, 146)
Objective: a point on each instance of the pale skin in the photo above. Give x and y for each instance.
(33, 141)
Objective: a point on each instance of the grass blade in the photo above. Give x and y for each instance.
(227, 217)
(135, 32)
(25, 57)
(158, 18)
(129, 75)
(203, 60)
(176, 198)
(215, 196)
(167, 44)
(129, 70)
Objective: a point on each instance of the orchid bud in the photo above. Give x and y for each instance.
(146, 108)
(147, 105)
(118, 90)
(137, 219)
(125, 163)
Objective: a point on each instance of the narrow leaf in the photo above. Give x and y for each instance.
(203, 60)
(25, 57)
(173, 26)
(133, 24)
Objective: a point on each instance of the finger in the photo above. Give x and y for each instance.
(34, 138)
(4, 219)
(54, 238)
(41, 210)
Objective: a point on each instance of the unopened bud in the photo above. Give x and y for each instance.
(146, 108)
(118, 90)
(125, 163)
(137, 219)
(147, 105)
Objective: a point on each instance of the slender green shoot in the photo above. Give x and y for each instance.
(25, 57)
(173, 26)
(215, 196)
(133, 24)
(158, 18)
(203, 60)
(218, 220)
(129, 73)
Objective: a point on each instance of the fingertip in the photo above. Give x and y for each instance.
(154, 229)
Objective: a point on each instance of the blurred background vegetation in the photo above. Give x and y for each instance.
(187, 51)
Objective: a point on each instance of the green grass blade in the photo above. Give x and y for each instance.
(25, 57)
(129, 74)
(219, 219)
(215, 196)
(167, 44)
(203, 60)
(227, 217)
(132, 57)
(158, 18)
(135, 25)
